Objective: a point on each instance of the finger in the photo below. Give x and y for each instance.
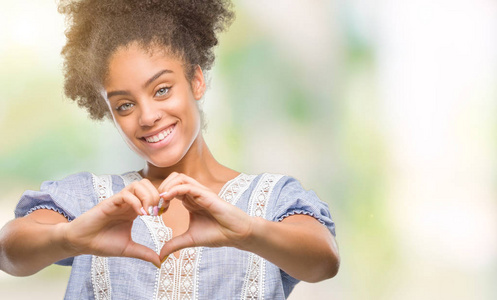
(166, 181)
(148, 196)
(179, 179)
(151, 188)
(152, 207)
(176, 244)
(163, 201)
(183, 189)
(142, 252)
(126, 197)
(196, 196)
(163, 205)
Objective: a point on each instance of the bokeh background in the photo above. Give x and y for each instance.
(385, 108)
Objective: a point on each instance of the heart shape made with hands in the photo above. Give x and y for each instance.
(200, 216)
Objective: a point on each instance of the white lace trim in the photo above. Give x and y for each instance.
(55, 209)
(234, 189)
(158, 231)
(130, 177)
(100, 277)
(253, 285)
(178, 276)
(300, 212)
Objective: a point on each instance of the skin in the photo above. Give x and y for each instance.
(148, 92)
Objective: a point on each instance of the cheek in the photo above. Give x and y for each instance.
(185, 108)
(193, 114)
(124, 128)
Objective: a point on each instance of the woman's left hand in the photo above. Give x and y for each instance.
(213, 221)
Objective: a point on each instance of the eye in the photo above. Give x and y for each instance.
(124, 107)
(162, 91)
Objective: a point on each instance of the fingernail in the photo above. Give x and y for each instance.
(161, 202)
(156, 211)
(150, 210)
(163, 194)
(143, 211)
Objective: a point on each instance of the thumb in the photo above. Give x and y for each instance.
(142, 252)
(175, 244)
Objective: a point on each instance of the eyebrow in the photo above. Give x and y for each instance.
(157, 75)
(147, 83)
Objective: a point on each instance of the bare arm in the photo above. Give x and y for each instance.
(299, 245)
(31, 243)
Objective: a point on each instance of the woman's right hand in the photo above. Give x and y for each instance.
(105, 230)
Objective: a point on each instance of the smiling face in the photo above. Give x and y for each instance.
(153, 104)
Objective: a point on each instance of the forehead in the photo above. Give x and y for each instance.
(138, 61)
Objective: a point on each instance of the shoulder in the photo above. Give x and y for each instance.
(279, 188)
(74, 182)
(82, 185)
(87, 182)
(279, 182)
(82, 181)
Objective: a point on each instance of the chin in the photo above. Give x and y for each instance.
(162, 163)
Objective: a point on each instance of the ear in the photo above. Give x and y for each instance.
(198, 83)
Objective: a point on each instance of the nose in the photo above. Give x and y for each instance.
(149, 115)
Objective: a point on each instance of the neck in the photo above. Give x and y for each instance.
(198, 163)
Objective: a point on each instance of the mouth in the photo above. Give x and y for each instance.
(160, 136)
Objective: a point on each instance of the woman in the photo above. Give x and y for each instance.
(210, 232)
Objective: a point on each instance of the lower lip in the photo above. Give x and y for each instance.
(162, 143)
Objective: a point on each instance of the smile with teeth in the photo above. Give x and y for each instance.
(159, 136)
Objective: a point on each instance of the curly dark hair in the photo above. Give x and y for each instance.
(96, 28)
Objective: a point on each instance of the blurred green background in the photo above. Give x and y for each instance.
(386, 109)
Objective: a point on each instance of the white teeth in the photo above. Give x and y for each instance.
(160, 136)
